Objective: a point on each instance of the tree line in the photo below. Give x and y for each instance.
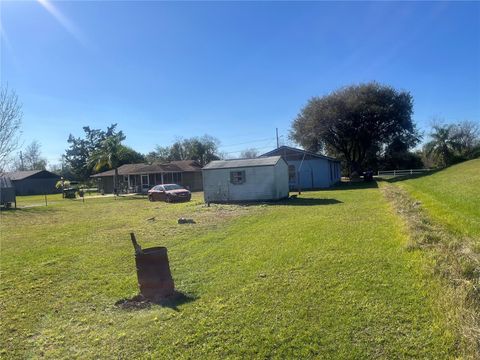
(100, 150)
(366, 126)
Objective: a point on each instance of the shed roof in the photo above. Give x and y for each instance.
(289, 153)
(20, 175)
(238, 163)
(5, 182)
(136, 169)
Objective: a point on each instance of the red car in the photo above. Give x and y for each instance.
(169, 193)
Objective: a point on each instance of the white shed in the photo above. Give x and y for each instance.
(257, 179)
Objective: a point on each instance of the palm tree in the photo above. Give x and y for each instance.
(108, 155)
(443, 145)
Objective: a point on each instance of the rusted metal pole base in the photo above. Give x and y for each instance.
(153, 271)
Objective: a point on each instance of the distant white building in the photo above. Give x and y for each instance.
(257, 179)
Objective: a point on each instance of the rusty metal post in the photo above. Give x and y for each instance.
(153, 272)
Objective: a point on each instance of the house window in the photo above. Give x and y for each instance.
(292, 174)
(237, 177)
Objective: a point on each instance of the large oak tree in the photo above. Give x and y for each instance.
(356, 123)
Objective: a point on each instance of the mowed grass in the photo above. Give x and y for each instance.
(39, 200)
(451, 197)
(327, 276)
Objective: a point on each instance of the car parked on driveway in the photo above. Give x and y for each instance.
(169, 193)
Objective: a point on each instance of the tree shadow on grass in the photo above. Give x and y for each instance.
(28, 209)
(139, 302)
(349, 185)
(133, 197)
(307, 201)
(293, 200)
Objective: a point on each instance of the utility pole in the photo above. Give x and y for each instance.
(21, 162)
(276, 130)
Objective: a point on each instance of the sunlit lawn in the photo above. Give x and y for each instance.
(452, 197)
(39, 200)
(326, 275)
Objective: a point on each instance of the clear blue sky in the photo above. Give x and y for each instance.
(232, 70)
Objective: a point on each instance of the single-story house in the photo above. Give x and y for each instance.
(138, 178)
(307, 170)
(34, 182)
(245, 180)
(7, 192)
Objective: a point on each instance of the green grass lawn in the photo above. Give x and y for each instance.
(442, 214)
(451, 197)
(325, 276)
(39, 200)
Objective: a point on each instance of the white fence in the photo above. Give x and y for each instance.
(403, 172)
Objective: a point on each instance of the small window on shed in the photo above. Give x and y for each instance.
(292, 174)
(237, 177)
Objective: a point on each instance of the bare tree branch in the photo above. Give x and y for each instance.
(10, 122)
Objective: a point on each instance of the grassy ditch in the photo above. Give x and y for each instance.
(454, 260)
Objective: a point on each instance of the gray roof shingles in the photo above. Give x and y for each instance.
(136, 169)
(20, 175)
(281, 150)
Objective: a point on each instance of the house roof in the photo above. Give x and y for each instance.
(288, 152)
(238, 163)
(20, 175)
(5, 182)
(187, 165)
(137, 169)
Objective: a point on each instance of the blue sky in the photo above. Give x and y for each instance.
(232, 70)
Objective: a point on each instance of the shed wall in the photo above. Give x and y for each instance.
(281, 180)
(260, 184)
(7, 195)
(35, 186)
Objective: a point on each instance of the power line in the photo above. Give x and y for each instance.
(238, 151)
(247, 142)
